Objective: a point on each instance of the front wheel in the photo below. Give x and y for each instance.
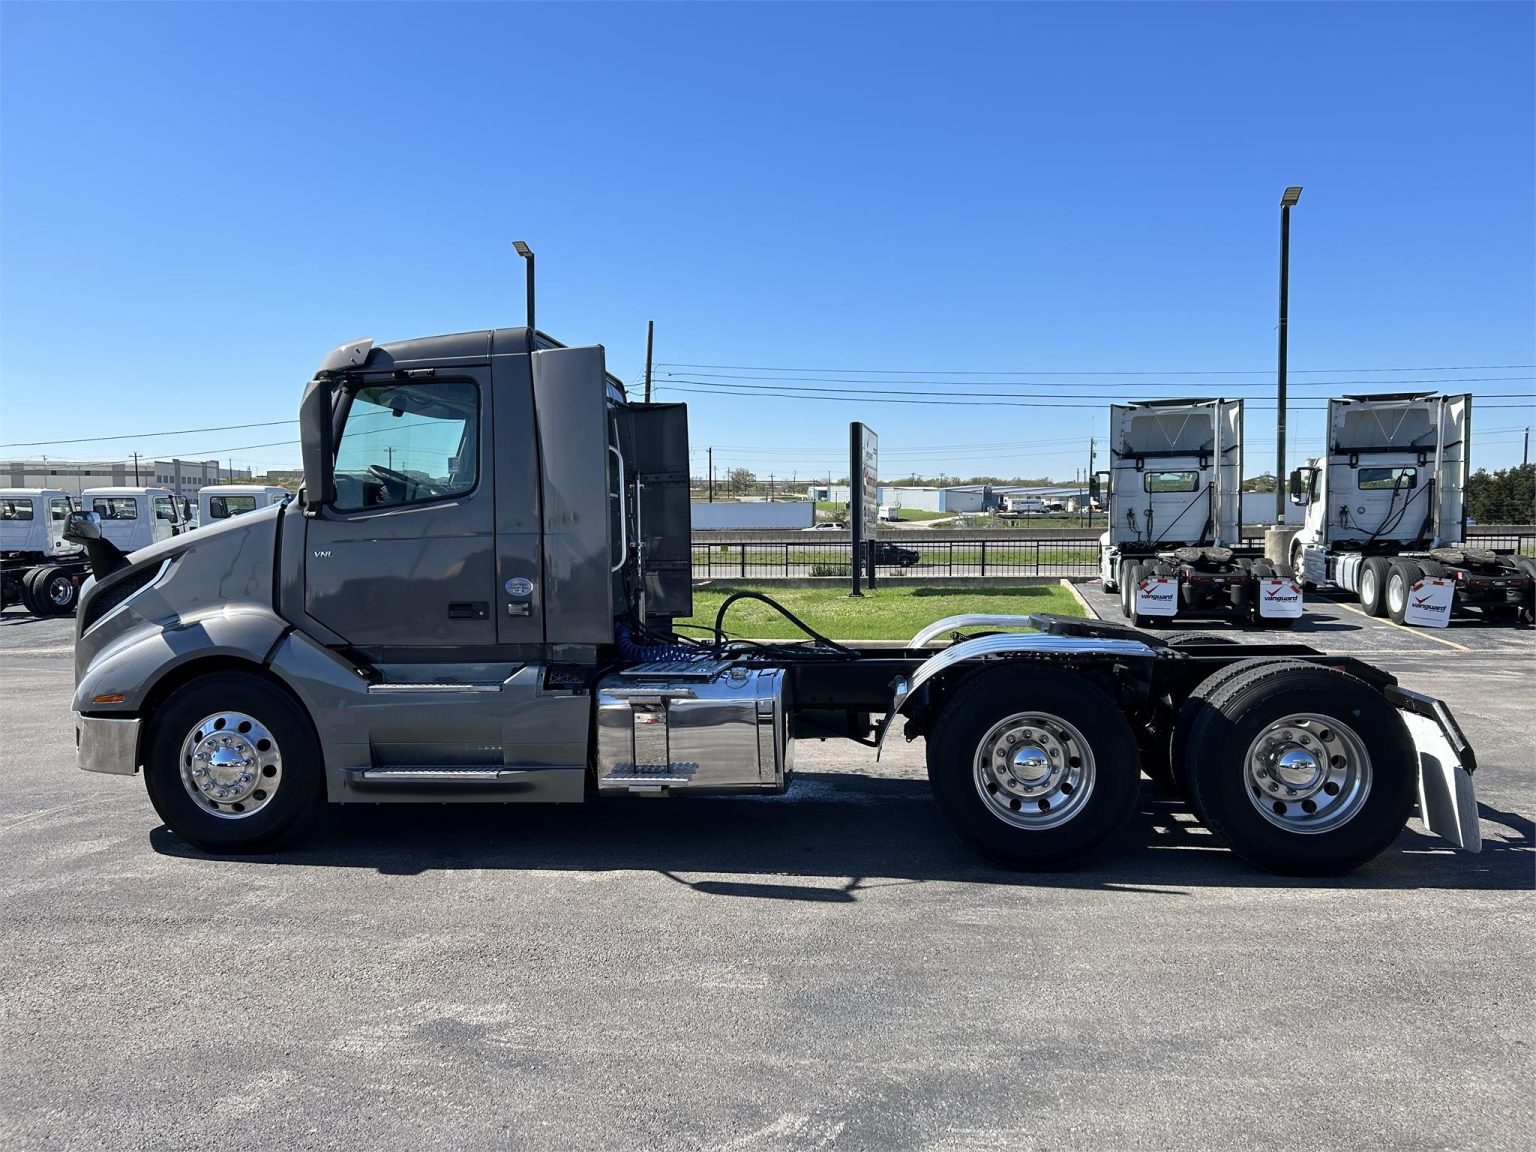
(233, 764)
(1033, 768)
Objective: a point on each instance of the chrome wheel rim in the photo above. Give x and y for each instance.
(1397, 591)
(1368, 585)
(1307, 773)
(1034, 771)
(61, 591)
(231, 765)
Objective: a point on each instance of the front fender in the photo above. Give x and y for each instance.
(119, 679)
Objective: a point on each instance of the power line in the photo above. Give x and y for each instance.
(711, 377)
(1097, 372)
(145, 435)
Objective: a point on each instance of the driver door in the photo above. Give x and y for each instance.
(405, 559)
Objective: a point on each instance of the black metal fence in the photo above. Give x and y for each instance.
(932, 555)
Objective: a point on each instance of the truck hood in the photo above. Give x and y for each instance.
(179, 582)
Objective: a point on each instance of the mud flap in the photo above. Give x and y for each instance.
(1447, 796)
(1279, 599)
(1157, 596)
(1429, 602)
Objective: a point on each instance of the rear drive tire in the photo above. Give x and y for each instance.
(1180, 761)
(1400, 578)
(28, 596)
(1302, 770)
(1373, 585)
(54, 591)
(1033, 768)
(1126, 568)
(232, 764)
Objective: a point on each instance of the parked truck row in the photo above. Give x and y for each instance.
(475, 598)
(42, 571)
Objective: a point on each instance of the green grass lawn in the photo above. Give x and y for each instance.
(920, 514)
(884, 614)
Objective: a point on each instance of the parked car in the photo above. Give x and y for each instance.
(828, 526)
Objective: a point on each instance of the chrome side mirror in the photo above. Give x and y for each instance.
(82, 527)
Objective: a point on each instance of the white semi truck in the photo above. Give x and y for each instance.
(39, 568)
(1386, 518)
(500, 625)
(1174, 543)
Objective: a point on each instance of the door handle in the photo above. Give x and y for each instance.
(469, 610)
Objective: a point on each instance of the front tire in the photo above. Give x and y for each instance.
(233, 764)
(1304, 771)
(1033, 768)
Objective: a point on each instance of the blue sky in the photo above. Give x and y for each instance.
(198, 201)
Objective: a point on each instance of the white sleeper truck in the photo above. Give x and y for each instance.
(475, 597)
(1386, 519)
(1174, 542)
(39, 568)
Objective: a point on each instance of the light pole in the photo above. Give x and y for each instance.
(527, 254)
(1287, 201)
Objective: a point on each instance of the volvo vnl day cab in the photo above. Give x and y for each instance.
(474, 597)
(39, 568)
(1386, 518)
(221, 501)
(1174, 542)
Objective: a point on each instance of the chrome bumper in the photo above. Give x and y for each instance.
(103, 745)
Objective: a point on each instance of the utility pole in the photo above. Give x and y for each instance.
(390, 449)
(770, 487)
(1525, 455)
(135, 469)
(711, 475)
(1287, 200)
(650, 338)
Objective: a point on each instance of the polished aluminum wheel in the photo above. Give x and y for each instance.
(60, 592)
(1308, 773)
(231, 765)
(1034, 770)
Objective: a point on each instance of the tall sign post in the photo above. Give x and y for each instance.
(863, 499)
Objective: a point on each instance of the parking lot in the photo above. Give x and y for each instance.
(826, 969)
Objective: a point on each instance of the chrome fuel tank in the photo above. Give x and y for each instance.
(696, 726)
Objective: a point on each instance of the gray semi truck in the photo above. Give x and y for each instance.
(476, 598)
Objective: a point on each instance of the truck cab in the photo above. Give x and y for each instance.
(1173, 543)
(1385, 513)
(134, 518)
(217, 502)
(32, 524)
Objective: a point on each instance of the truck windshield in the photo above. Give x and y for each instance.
(1372, 478)
(1172, 481)
(223, 507)
(123, 508)
(408, 443)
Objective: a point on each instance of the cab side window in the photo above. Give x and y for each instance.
(116, 508)
(58, 509)
(408, 444)
(15, 509)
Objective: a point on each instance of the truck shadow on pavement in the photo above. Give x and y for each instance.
(853, 830)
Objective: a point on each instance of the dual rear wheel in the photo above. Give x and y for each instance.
(1297, 768)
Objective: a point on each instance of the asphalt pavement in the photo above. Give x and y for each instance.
(825, 969)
